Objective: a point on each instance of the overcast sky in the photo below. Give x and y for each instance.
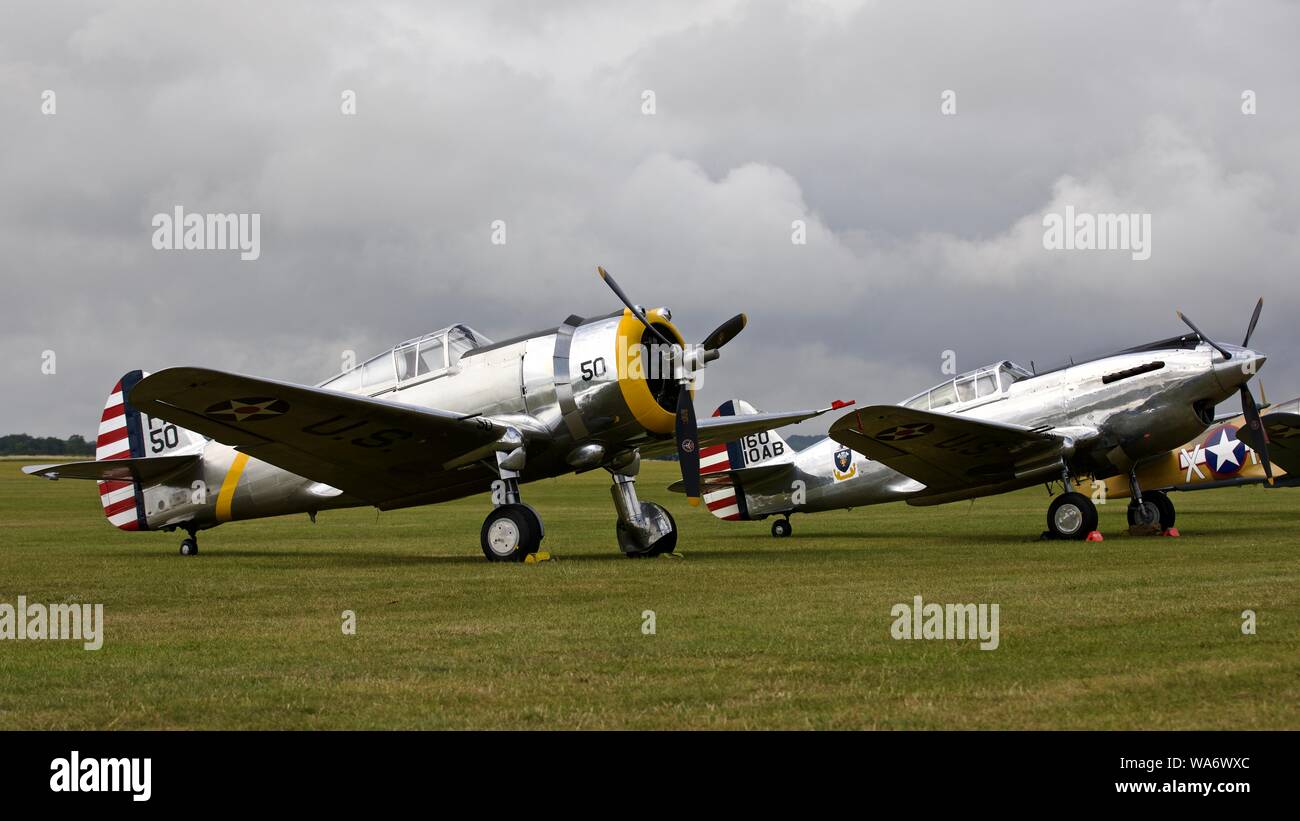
(924, 230)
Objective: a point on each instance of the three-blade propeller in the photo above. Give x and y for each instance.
(1249, 408)
(685, 364)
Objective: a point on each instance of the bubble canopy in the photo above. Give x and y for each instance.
(414, 360)
(970, 388)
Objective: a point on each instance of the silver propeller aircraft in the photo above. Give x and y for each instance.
(443, 416)
(997, 429)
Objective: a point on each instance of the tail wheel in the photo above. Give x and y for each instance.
(627, 541)
(1164, 504)
(510, 533)
(190, 546)
(1071, 516)
(782, 528)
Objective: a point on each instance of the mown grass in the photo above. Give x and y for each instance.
(752, 632)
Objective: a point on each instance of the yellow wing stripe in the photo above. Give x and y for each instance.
(228, 484)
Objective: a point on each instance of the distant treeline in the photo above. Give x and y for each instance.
(20, 444)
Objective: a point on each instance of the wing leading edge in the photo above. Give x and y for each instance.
(382, 452)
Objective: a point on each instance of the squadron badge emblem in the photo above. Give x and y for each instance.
(844, 466)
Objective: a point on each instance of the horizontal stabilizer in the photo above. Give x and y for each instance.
(749, 476)
(146, 469)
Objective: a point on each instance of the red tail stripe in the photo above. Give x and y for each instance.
(113, 412)
(111, 437)
(108, 487)
(117, 507)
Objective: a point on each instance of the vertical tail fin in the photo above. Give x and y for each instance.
(120, 437)
(728, 501)
(126, 433)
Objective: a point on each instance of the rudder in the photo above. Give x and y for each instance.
(766, 448)
(126, 433)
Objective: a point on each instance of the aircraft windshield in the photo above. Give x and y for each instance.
(414, 360)
(973, 387)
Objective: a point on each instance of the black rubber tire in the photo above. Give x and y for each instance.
(519, 525)
(1086, 518)
(1164, 504)
(1149, 516)
(190, 547)
(666, 544)
(782, 528)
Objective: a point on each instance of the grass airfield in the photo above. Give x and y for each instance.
(751, 632)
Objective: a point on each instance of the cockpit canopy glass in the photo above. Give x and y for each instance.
(977, 386)
(414, 360)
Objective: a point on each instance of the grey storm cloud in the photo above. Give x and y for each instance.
(924, 231)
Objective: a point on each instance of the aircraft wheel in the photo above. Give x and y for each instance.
(1164, 504)
(510, 533)
(782, 528)
(667, 543)
(190, 546)
(1071, 516)
(1142, 515)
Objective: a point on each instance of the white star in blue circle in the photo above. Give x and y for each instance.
(1224, 452)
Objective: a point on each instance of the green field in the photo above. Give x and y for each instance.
(752, 632)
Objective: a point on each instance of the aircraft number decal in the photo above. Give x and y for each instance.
(759, 447)
(162, 438)
(593, 368)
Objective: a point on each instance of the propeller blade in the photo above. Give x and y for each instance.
(688, 445)
(1253, 319)
(1251, 411)
(1205, 338)
(725, 332)
(636, 312)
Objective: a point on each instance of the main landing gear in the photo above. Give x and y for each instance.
(1151, 509)
(512, 531)
(644, 529)
(1071, 516)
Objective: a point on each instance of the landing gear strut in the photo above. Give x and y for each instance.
(644, 528)
(1155, 509)
(190, 544)
(1150, 508)
(513, 530)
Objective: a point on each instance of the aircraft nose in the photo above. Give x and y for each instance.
(1244, 364)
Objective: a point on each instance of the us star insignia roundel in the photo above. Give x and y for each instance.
(1224, 452)
(248, 410)
(900, 432)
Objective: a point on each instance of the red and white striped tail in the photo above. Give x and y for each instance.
(120, 438)
(724, 501)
